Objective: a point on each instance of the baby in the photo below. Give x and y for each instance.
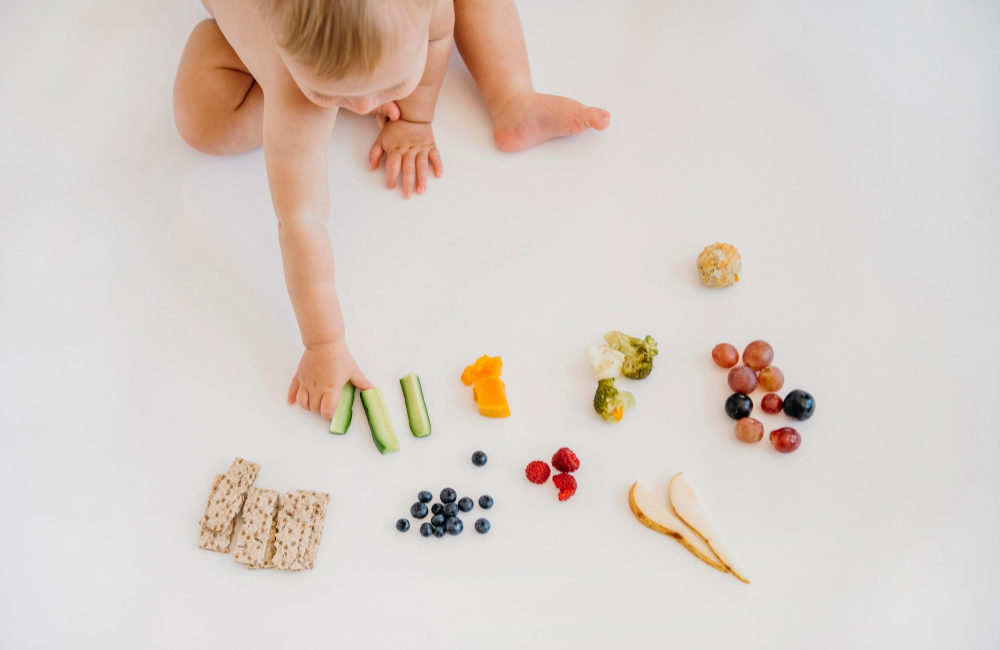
(274, 73)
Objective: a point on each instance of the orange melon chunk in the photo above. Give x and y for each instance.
(490, 394)
(485, 366)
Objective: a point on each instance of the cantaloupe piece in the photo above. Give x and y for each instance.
(485, 366)
(490, 395)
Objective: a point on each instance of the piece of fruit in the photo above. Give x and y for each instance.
(418, 510)
(725, 355)
(482, 526)
(742, 380)
(566, 484)
(448, 495)
(799, 404)
(341, 421)
(425, 497)
(739, 406)
(453, 526)
(484, 366)
(437, 521)
(426, 530)
(378, 421)
(450, 510)
(436, 509)
(439, 531)
(749, 430)
(758, 355)
(486, 502)
(466, 504)
(564, 460)
(402, 525)
(656, 515)
(771, 403)
(416, 408)
(537, 471)
(688, 510)
(490, 395)
(478, 459)
(785, 439)
(771, 378)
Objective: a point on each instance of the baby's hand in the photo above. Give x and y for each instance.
(407, 147)
(322, 373)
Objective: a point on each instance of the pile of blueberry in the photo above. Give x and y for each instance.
(444, 514)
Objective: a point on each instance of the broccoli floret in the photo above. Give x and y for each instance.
(611, 403)
(639, 353)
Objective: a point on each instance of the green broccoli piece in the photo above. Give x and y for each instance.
(638, 353)
(611, 403)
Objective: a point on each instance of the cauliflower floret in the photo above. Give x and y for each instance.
(606, 360)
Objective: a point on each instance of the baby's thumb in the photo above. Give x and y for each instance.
(361, 382)
(390, 110)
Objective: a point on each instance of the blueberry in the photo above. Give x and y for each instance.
(453, 526)
(402, 525)
(799, 405)
(439, 531)
(466, 504)
(426, 529)
(450, 510)
(425, 496)
(482, 526)
(486, 502)
(437, 520)
(479, 459)
(418, 510)
(448, 495)
(739, 406)
(436, 508)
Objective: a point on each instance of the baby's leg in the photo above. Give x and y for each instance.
(218, 107)
(489, 38)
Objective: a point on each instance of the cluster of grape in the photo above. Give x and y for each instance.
(743, 380)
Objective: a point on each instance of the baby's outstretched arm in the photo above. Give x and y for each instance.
(407, 144)
(295, 138)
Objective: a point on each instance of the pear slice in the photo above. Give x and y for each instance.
(686, 506)
(657, 516)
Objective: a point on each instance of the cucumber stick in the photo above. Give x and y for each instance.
(416, 408)
(378, 421)
(341, 421)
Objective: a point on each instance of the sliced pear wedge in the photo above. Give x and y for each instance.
(688, 509)
(657, 516)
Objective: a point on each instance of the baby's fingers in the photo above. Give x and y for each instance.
(435, 159)
(409, 173)
(328, 404)
(302, 397)
(393, 161)
(293, 389)
(360, 381)
(422, 170)
(375, 155)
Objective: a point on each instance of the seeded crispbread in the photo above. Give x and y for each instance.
(300, 526)
(211, 540)
(255, 542)
(227, 498)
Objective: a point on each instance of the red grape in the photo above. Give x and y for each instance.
(742, 380)
(749, 430)
(725, 355)
(785, 439)
(758, 354)
(772, 403)
(771, 378)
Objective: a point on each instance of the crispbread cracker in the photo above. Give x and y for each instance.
(211, 540)
(255, 543)
(300, 526)
(227, 498)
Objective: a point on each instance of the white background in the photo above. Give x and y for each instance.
(851, 150)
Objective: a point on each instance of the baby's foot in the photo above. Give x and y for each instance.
(535, 118)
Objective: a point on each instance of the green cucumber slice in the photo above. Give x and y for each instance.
(416, 408)
(341, 421)
(378, 421)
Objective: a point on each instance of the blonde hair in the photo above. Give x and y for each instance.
(337, 38)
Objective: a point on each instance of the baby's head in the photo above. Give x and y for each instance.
(354, 54)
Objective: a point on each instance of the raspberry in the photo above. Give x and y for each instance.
(566, 484)
(565, 460)
(537, 471)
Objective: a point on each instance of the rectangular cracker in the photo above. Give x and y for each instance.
(211, 540)
(227, 498)
(300, 526)
(255, 542)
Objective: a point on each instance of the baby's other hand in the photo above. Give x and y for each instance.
(408, 148)
(323, 372)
